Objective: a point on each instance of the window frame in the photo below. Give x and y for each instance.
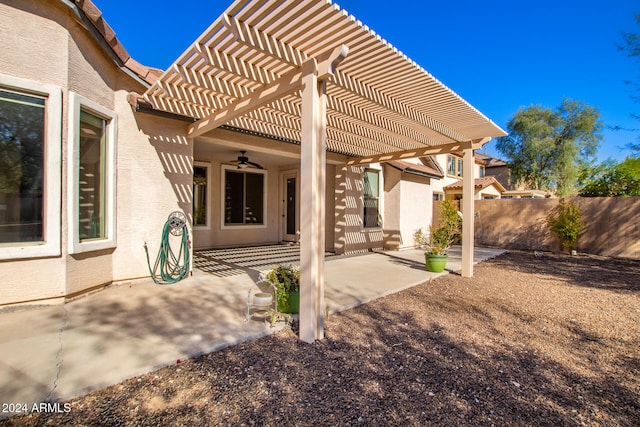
(52, 182)
(76, 103)
(206, 226)
(378, 198)
(223, 182)
(458, 166)
(451, 159)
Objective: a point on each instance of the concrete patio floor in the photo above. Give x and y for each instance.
(51, 353)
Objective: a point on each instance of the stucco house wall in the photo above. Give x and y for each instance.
(47, 44)
(44, 43)
(408, 207)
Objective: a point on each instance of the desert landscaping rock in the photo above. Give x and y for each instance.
(551, 340)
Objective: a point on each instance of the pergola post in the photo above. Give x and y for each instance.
(312, 204)
(468, 212)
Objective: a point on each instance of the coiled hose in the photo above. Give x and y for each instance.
(169, 268)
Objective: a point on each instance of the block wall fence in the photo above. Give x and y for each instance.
(612, 225)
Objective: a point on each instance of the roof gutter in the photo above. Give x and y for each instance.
(139, 106)
(414, 171)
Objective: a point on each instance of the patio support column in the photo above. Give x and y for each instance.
(468, 212)
(313, 171)
(312, 204)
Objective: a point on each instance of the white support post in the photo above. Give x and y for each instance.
(468, 212)
(312, 176)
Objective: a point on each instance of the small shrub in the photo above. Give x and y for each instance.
(448, 230)
(565, 220)
(420, 238)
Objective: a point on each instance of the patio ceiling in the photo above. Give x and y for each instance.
(244, 71)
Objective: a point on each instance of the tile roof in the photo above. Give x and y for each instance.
(479, 183)
(490, 161)
(149, 74)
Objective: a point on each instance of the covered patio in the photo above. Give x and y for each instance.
(125, 331)
(309, 74)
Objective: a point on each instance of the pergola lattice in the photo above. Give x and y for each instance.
(272, 67)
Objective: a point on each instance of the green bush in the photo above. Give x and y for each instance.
(286, 278)
(565, 220)
(448, 230)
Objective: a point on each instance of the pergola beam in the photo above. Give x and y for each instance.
(419, 152)
(289, 82)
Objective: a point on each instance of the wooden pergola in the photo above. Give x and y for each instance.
(307, 71)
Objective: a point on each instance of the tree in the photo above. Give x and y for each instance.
(631, 45)
(545, 147)
(612, 179)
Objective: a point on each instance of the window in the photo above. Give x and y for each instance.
(371, 197)
(454, 166)
(451, 165)
(91, 179)
(244, 197)
(200, 191)
(437, 196)
(30, 141)
(482, 172)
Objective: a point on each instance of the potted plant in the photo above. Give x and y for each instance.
(565, 220)
(286, 279)
(441, 237)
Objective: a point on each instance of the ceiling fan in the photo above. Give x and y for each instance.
(243, 161)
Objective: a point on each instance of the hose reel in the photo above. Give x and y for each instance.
(169, 267)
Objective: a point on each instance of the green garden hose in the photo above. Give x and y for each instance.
(169, 267)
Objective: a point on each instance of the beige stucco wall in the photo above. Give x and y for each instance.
(350, 235)
(43, 42)
(416, 207)
(408, 207)
(33, 34)
(611, 225)
(214, 234)
(218, 236)
(392, 200)
(154, 180)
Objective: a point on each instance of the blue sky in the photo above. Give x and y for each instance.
(500, 57)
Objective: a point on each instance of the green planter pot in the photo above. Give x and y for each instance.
(435, 263)
(293, 304)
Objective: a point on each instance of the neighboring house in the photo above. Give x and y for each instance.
(450, 187)
(499, 169)
(525, 194)
(98, 150)
(484, 188)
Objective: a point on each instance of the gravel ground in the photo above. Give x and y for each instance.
(552, 340)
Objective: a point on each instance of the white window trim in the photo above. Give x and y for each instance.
(208, 196)
(224, 226)
(75, 246)
(52, 185)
